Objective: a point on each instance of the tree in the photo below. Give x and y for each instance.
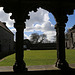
(42, 38)
(34, 38)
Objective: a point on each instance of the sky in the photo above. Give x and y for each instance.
(41, 22)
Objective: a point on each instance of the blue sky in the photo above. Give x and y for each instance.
(40, 22)
(70, 22)
(52, 19)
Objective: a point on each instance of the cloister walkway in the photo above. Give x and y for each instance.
(20, 10)
(33, 68)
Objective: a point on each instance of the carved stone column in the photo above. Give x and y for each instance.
(61, 19)
(19, 66)
(61, 61)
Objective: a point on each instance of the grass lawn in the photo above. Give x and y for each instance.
(39, 57)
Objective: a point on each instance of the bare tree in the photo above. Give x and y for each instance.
(42, 37)
(34, 38)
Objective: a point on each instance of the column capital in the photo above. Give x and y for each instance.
(19, 25)
(60, 25)
(60, 15)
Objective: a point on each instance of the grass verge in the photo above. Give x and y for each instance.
(39, 57)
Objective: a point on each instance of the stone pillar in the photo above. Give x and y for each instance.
(61, 19)
(19, 66)
(61, 62)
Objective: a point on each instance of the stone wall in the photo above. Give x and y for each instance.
(6, 42)
(70, 41)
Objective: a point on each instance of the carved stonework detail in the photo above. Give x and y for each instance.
(61, 19)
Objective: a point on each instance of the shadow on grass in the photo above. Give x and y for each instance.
(3, 56)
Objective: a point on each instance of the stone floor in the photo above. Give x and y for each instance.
(33, 68)
(30, 68)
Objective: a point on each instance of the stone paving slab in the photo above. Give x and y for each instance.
(30, 68)
(6, 68)
(41, 67)
(33, 68)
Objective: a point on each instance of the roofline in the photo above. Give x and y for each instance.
(7, 30)
(3, 25)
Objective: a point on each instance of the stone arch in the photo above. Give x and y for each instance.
(19, 13)
(33, 10)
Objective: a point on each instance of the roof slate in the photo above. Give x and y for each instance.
(3, 25)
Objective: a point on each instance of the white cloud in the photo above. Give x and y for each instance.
(50, 35)
(39, 21)
(4, 17)
(46, 26)
(36, 17)
(46, 17)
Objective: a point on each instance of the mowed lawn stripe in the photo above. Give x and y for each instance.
(39, 57)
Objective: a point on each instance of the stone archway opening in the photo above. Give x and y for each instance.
(40, 23)
(6, 34)
(69, 38)
(19, 13)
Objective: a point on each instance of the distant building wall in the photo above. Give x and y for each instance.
(6, 42)
(70, 40)
(67, 44)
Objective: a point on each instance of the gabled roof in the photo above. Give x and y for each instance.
(3, 25)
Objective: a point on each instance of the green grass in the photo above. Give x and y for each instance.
(8, 61)
(70, 56)
(39, 57)
(43, 57)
